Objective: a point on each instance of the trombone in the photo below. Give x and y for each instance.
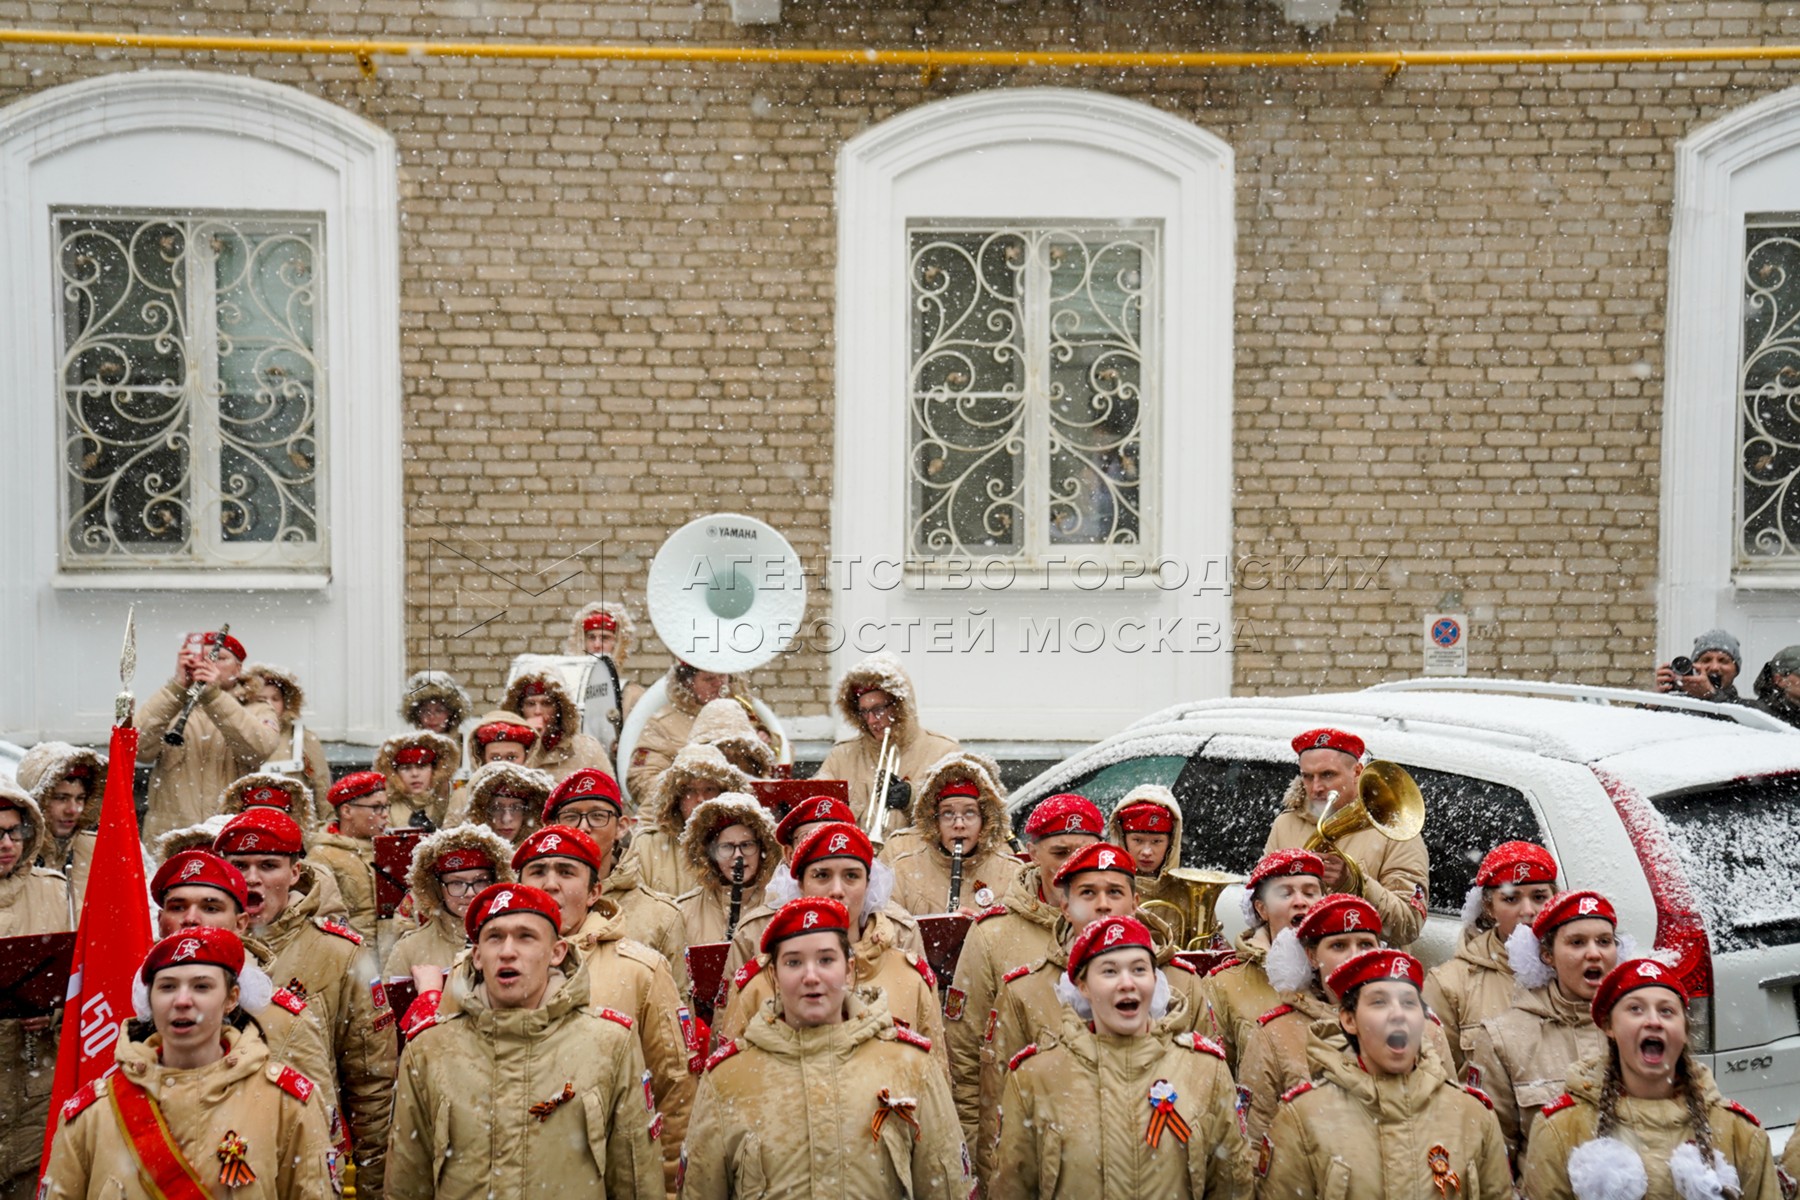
(1387, 801)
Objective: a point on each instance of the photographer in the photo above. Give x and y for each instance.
(1709, 674)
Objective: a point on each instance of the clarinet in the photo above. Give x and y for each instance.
(737, 896)
(175, 736)
(956, 861)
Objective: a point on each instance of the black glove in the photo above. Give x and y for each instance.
(899, 794)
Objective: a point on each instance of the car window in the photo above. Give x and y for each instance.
(1464, 819)
(1739, 846)
(1227, 806)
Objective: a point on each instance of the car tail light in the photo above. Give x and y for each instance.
(1680, 932)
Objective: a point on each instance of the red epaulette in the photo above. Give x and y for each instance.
(999, 910)
(924, 970)
(295, 1084)
(1021, 1056)
(1202, 1044)
(1280, 1010)
(286, 999)
(1224, 966)
(745, 974)
(1021, 970)
(903, 1034)
(613, 1014)
(1557, 1105)
(1743, 1112)
(1184, 965)
(1434, 1019)
(1295, 1092)
(75, 1105)
(726, 1049)
(333, 926)
(1479, 1095)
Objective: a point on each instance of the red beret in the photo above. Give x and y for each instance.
(1516, 863)
(196, 946)
(1285, 862)
(1629, 976)
(233, 647)
(599, 620)
(1146, 816)
(809, 914)
(1572, 906)
(1372, 966)
(355, 786)
(1103, 937)
(960, 787)
(589, 783)
(504, 731)
(534, 685)
(79, 770)
(463, 858)
(269, 795)
(811, 811)
(1338, 913)
(200, 868)
(1095, 856)
(1065, 813)
(505, 899)
(260, 831)
(840, 839)
(557, 841)
(1329, 739)
(415, 756)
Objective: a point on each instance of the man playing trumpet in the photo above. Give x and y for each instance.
(1395, 875)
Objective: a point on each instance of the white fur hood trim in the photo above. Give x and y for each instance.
(1069, 994)
(1694, 1180)
(1607, 1169)
(1522, 954)
(1287, 966)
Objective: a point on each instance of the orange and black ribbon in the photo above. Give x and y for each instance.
(543, 1108)
(1163, 1117)
(234, 1172)
(1445, 1180)
(906, 1110)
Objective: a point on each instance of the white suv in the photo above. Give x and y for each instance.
(1686, 814)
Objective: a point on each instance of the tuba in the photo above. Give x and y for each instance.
(1187, 905)
(1387, 801)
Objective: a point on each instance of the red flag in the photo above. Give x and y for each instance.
(112, 939)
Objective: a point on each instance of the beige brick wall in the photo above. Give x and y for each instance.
(617, 297)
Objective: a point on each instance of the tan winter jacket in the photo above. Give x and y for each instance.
(663, 736)
(1790, 1158)
(1018, 931)
(1354, 1136)
(32, 900)
(648, 917)
(223, 739)
(42, 768)
(436, 943)
(351, 862)
(440, 937)
(325, 963)
(464, 1121)
(435, 801)
(1651, 1128)
(532, 786)
(888, 927)
(282, 1124)
(1276, 1058)
(314, 770)
(790, 1113)
(1396, 875)
(293, 1032)
(922, 874)
(1077, 1112)
(656, 846)
(853, 758)
(705, 909)
(1237, 992)
(562, 749)
(1477, 983)
(1521, 1058)
(725, 725)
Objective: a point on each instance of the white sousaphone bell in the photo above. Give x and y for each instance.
(726, 593)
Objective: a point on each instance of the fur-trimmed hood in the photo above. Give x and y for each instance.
(536, 785)
(442, 771)
(422, 687)
(680, 695)
(292, 694)
(1294, 799)
(733, 808)
(428, 893)
(300, 800)
(725, 724)
(625, 636)
(14, 796)
(568, 713)
(1162, 797)
(881, 670)
(986, 776)
(189, 837)
(45, 765)
(693, 762)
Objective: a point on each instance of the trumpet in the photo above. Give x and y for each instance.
(887, 762)
(1387, 801)
(176, 734)
(1188, 904)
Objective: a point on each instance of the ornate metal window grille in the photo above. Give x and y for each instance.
(190, 378)
(1032, 389)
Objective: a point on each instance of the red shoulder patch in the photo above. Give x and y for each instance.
(613, 1014)
(998, 910)
(1182, 964)
(924, 970)
(339, 929)
(85, 1096)
(1295, 1092)
(726, 1049)
(1224, 966)
(1743, 1112)
(1021, 1056)
(295, 1084)
(903, 1034)
(1433, 1017)
(1017, 972)
(1280, 1010)
(1201, 1044)
(745, 974)
(1479, 1095)
(1557, 1105)
(286, 999)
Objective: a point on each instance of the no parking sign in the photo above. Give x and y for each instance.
(1446, 644)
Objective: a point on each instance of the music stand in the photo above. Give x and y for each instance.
(706, 968)
(393, 863)
(34, 974)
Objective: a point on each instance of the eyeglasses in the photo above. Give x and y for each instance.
(959, 818)
(466, 887)
(731, 850)
(508, 810)
(368, 808)
(588, 820)
(21, 833)
(880, 710)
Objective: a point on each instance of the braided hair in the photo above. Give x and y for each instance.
(1685, 1090)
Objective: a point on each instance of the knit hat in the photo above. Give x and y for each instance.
(1718, 639)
